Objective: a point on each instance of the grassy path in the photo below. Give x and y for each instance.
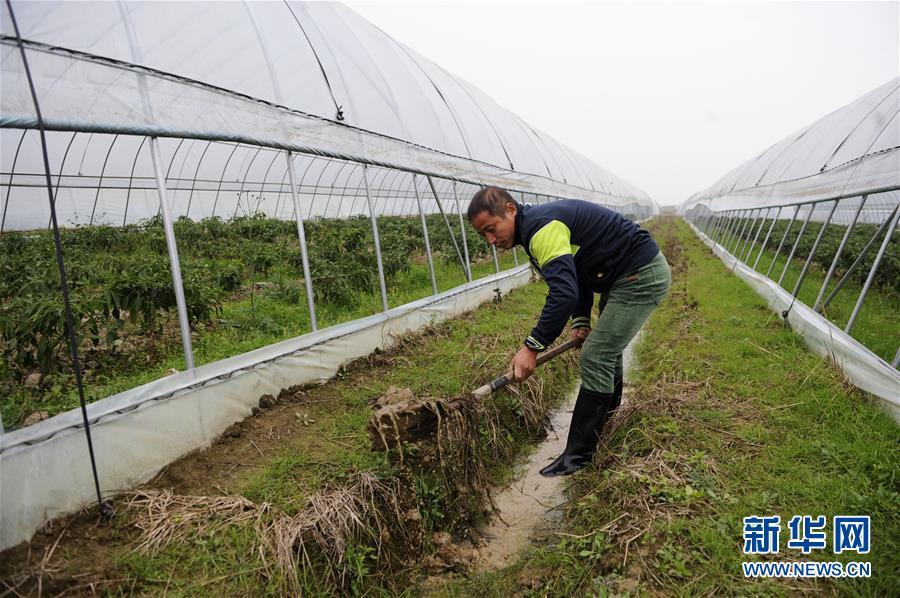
(729, 417)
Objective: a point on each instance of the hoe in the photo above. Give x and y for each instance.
(413, 420)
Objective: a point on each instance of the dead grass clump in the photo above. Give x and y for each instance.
(460, 460)
(463, 438)
(364, 509)
(664, 396)
(472, 440)
(526, 406)
(164, 517)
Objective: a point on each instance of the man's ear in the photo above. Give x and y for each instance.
(510, 208)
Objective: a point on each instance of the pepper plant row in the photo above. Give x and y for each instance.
(887, 276)
(120, 277)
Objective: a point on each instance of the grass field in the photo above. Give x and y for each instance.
(729, 416)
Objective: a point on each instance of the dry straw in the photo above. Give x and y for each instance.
(362, 509)
(164, 517)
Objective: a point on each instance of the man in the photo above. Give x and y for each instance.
(580, 248)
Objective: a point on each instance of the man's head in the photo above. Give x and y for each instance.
(492, 213)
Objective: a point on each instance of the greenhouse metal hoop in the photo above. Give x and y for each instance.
(727, 227)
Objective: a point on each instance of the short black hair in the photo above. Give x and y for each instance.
(492, 200)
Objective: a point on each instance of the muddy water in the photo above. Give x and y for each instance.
(529, 507)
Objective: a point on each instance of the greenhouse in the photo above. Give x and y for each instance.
(812, 219)
(271, 189)
(250, 343)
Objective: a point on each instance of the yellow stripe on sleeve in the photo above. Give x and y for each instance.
(550, 242)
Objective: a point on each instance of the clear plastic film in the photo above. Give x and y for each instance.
(311, 77)
(853, 150)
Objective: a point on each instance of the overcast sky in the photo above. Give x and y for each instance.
(669, 96)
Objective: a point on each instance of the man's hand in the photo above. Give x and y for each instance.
(579, 334)
(523, 364)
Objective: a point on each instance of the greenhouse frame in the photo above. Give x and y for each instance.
(147, 117)
(823, 204)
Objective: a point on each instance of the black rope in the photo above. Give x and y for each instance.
(339, 109)
(105, 507)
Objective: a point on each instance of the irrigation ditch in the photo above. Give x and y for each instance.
(530, 509)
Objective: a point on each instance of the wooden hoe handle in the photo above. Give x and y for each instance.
(498, 383)
(409, 421)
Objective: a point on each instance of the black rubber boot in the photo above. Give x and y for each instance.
(617, 395)
(588, 417)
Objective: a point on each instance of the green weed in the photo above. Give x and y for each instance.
(728, 416)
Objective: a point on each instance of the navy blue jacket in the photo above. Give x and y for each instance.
(579, 248)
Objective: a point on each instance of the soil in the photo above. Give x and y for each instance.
(244, 444)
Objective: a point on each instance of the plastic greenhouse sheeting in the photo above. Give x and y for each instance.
(310, 77)
(853, 150)
(247, 108)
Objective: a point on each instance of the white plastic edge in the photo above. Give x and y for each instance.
(45, 471)
(862, 368)
(873, 173)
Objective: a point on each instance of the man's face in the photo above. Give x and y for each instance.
(497, 230)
